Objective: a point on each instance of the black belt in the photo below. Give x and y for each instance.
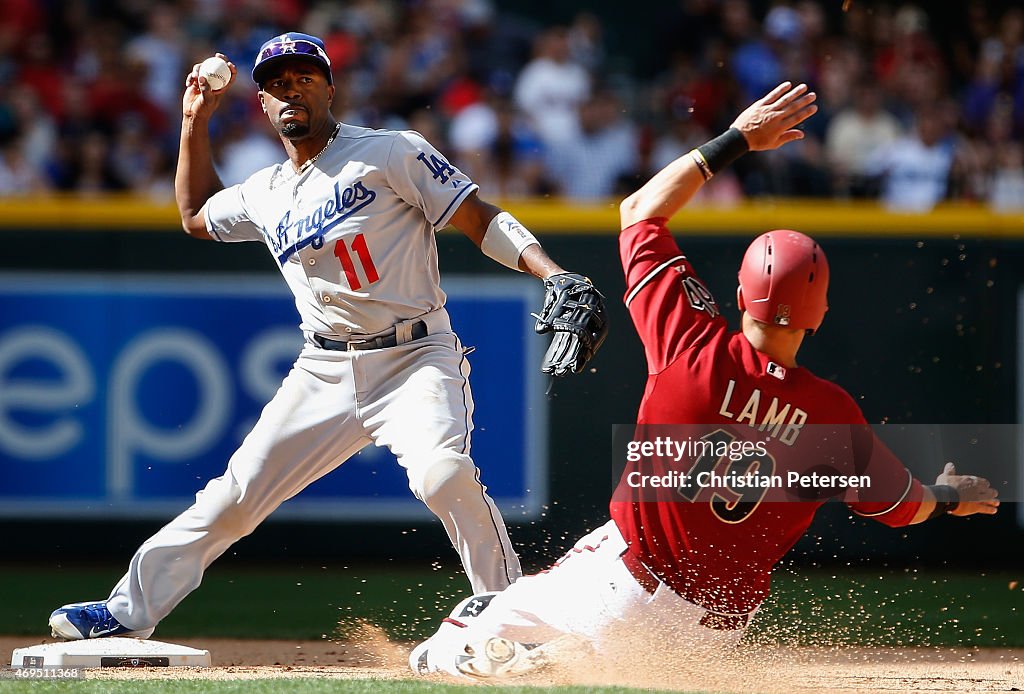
(419, 329)
(649, 582)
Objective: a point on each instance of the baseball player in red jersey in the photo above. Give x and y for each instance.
(350, 218)
(689, 563)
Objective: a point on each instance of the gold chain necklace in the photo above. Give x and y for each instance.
(309, 162)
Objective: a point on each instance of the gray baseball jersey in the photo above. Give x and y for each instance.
(353, 234)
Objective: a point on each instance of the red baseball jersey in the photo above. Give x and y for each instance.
(739, 422)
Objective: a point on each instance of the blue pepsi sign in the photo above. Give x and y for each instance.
(120, 396)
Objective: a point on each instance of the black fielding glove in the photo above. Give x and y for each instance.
(574, 310)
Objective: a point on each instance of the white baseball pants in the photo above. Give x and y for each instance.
(588, 593)
(413, 398)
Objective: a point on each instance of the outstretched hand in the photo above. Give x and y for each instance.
(771, 121)
(200, 99)
(976, 494)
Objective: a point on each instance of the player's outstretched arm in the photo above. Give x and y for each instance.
(195, 179)
(509, 243)
(573, 308)
(957, 495)
(767, 123)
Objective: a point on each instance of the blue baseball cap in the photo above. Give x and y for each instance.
(295, 46)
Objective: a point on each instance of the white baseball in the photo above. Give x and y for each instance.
(216, 72)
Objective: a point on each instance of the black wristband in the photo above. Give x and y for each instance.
(946, 499)
(724, 149)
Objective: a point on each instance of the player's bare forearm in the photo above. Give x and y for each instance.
(536, 261)
(573, 309)
(927, 507)
(472, 219)
(664, 195)
(195, 179)
(768, 123)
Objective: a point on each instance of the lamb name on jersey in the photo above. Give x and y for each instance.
(774, 418)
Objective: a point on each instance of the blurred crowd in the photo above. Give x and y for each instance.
(91, 97)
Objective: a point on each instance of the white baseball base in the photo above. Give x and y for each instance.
(112, 652)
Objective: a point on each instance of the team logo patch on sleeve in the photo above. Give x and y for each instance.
(699, 296)
(439, 168)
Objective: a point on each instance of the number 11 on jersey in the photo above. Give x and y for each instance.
(363, 253)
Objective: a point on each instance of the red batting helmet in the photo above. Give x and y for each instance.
(784, 280)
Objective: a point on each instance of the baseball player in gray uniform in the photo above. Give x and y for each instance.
(350, 219)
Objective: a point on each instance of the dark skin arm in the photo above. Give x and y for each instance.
(195, 179)
(472, 219)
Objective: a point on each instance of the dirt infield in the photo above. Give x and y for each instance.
(771, 670)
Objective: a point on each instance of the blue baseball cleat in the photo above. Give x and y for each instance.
(90, 620)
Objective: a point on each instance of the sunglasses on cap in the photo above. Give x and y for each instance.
(286, 47)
